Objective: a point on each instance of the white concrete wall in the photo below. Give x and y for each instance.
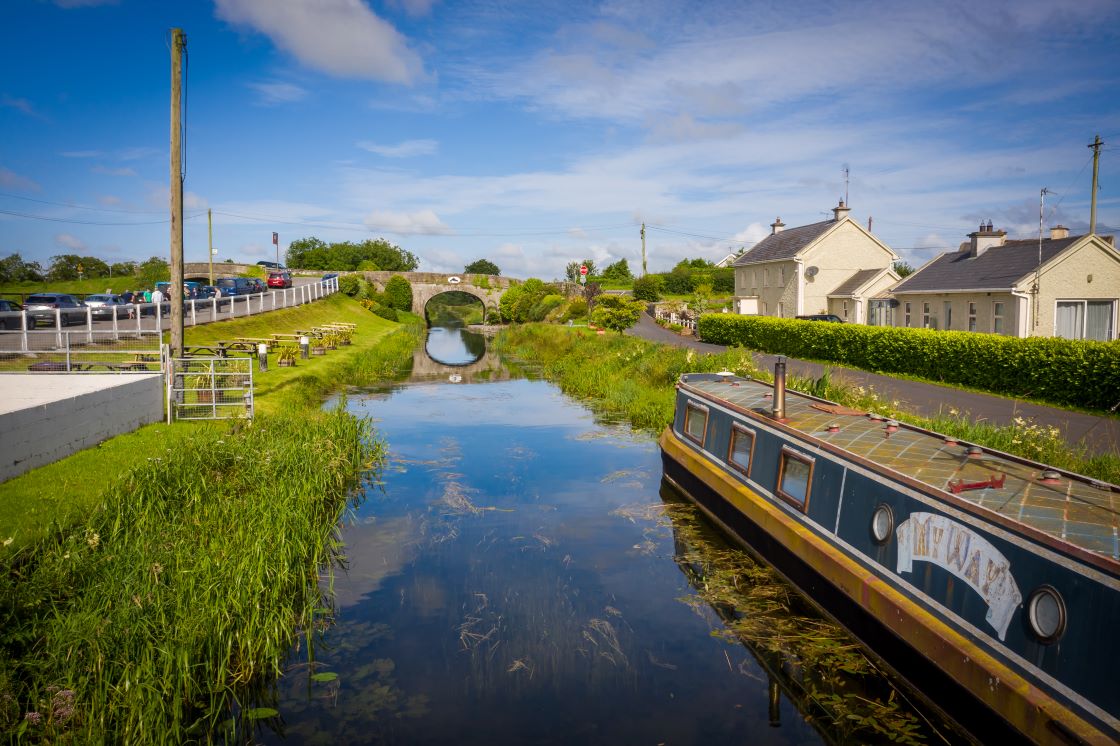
(49, 428)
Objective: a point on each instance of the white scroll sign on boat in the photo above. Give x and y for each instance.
(972, 558)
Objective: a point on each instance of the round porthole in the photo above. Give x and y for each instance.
(1046, 612)
(882, 524)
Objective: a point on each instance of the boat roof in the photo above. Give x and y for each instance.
(1071, 509)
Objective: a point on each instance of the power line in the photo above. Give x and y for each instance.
(81, 207)
(31, 216)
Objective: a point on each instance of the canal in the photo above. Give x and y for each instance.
(521, 574)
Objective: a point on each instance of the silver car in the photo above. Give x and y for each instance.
(42, 307)
(104, 305)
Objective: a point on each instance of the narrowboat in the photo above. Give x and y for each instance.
(990, 582)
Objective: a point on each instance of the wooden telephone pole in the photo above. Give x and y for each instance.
(178, 45)
(643, 249)
(1095, 146)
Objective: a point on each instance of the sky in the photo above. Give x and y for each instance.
(538, 133)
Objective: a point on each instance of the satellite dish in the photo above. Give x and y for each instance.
(811, 272)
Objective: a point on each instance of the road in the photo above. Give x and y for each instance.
(1098, 434)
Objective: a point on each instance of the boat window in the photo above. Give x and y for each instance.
(695, 422)
(742, 448)
(794, 478)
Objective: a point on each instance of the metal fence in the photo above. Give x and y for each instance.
(209, 388)
(131, 319)
(81, 352)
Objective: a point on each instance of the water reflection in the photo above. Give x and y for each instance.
(519, 578)
(454, 345)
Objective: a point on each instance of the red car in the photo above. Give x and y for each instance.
(279, 280)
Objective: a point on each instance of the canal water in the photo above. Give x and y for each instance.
(522, 575)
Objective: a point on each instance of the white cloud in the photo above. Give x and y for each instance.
(20, 104)
(70, 242)
(106, 171)
(424, 222)
(406, 149)
(277, 92)
(11, 180)
(338, 37)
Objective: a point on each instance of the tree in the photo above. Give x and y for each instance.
(701, 294)
(590, 264)
(398, 293)
(14, 269)
(155, 269)
(591, 291)
(482, 267)
(123, 269)
(698, 263)
(902, 268)
(312, 253)
(617, 312)
(647, 288)
(620, 270)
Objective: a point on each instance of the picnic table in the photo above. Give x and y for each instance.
(259, 340)
(56, 366)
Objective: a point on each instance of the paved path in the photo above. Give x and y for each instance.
(1096, 433)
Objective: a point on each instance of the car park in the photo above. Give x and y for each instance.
(106, 305)
(9, 318)
(821, 317)
(279, 280)
(43, 307)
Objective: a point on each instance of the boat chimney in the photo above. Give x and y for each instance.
(779, 412)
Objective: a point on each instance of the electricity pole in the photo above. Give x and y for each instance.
(178, 44)
(1096, 147)
(210, 241)
(643, 249)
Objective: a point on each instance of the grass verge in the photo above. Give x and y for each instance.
(633, 379)
(161, 579)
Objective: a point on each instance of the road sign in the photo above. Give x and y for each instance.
(275, 238)
(583, 269)
(214, 252)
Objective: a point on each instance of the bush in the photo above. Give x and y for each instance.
(647, 288)
(678, 282)
(351, 285)
(1065, 371)
(723, 281)
(545, 306)
(576, 309)
(398, 293)
(386, 312)
(617, 312)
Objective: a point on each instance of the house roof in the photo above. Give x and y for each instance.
(784, 245)
(851, 285)
(1000, 267)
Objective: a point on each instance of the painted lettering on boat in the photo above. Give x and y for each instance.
(929, 537)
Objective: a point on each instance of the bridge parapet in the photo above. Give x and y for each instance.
(426, 285)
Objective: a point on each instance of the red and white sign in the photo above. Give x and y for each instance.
(582, 267)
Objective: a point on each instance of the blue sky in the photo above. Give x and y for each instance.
(533, 134)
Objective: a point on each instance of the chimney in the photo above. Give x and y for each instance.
(777, 226)
(1059, 231)
(840, 211)
(985, 238)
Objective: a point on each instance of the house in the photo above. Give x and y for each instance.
(728, 260)
(1060, 286)
(835, 266)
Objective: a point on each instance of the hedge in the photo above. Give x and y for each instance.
(1065, 371)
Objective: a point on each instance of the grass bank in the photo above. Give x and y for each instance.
(632, 379)
(157, 598)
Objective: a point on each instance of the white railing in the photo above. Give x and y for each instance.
(134, 319)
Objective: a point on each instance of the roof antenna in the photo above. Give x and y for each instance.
(846, 171)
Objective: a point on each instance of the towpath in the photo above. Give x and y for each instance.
(1098, 434)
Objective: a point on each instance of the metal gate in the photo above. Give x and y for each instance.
(210, 388)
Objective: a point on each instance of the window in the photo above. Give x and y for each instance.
(972, 316)
(795, 476)
(845, 310)
(906, 315)
(781, 276)
(695, 422)
(754, 280)
(741, 449)
(997, 317)
(1084, 319)
(781, 310)
(765, 277)
(947, 306)
(925, 315)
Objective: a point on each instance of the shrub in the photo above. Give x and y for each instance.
(545, 306)
(576, 309)
(647, 288)
(678, 282)
(1078, 372)
(398, 293)
(351, 285)
(386, 312)
(617, 312)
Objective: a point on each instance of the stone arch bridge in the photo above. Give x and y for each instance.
(427, 285)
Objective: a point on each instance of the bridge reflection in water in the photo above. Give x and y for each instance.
(457, 354)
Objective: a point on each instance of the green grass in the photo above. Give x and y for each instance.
(632, 379)
(77, 287)
(150, 587)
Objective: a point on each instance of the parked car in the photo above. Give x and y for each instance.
(104, 305)
(257, 285)
(9, 321)
(234, 286)
(279, 279)
(208, 291)
(329, 276)
(822, 317)
(42, 306)
(270, 265)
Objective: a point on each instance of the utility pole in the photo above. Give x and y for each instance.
(178, 45)
(210, 241)
(1096, 147)
(1035, 289)
(643, 249)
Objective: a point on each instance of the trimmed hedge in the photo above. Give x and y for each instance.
(1064, 371)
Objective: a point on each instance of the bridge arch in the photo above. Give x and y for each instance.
(427, 285)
